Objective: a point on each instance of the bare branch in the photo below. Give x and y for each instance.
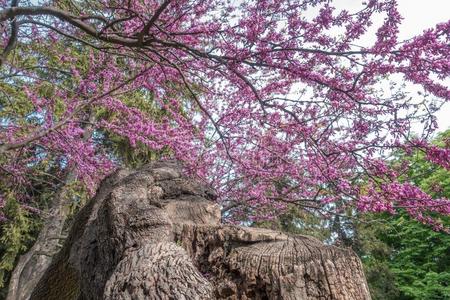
(153, 19)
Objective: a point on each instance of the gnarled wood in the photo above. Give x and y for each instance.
(154, 234)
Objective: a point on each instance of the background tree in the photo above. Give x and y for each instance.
(403, 258)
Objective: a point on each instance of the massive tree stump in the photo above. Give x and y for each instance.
(155, 234)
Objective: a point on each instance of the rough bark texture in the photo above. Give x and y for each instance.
(154, 234)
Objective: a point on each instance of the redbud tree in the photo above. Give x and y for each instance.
(272, 102)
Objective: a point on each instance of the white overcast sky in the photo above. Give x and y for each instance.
(419, 15)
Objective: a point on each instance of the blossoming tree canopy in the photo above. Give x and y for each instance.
(271, 101)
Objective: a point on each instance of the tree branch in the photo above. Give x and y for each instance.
(153, 19)
(13, 38)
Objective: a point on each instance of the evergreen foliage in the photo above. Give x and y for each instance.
(405, 259)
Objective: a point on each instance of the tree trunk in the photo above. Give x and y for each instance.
(32, 265)
(154, 234)
(35, 261)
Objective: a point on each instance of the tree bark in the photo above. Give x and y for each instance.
(155, 234)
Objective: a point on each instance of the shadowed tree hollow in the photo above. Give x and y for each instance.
(155, 234)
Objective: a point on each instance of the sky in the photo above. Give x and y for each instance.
(419, 15)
